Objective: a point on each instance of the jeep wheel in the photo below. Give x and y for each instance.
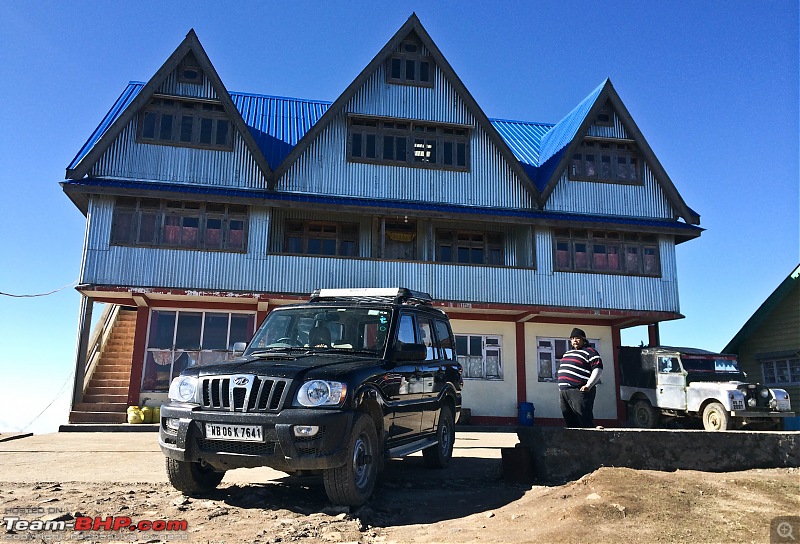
(192, 478)
(439, 455)
(352, 484)
(644, 415)
(716, 417)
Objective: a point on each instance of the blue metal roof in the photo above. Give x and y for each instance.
(277, 123)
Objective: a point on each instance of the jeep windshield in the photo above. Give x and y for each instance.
(712, 367)
(356, 330)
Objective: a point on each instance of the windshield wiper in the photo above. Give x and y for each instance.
(344, 350)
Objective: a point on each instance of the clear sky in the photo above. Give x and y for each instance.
(712, 85)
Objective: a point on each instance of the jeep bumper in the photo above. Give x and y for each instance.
(754, 414)
(278, 448)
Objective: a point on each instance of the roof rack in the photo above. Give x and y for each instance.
(385, 295)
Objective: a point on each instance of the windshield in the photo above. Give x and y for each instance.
(710, 364)
(331, 328)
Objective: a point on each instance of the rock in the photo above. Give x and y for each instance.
(489, 514)
(336, 510)
(594, 497)
(217, 513)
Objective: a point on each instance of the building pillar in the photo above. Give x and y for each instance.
(82, 349)
(522, 384)
(139, 352)
(616, 342)
(654, 338)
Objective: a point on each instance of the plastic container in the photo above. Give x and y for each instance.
(147, 414)
(135, 415)
(526, 410)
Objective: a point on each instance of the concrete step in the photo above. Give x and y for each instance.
(97, 397)
(97, 417)
(101, 407)
(103, 375)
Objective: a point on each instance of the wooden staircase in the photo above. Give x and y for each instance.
(105, 398)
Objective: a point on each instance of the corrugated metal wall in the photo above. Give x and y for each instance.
(646, 200)
(323, 168)
(127, 159)
(257, 271)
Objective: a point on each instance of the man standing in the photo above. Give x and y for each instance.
(580, 370)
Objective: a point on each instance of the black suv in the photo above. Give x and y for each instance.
(335, 386)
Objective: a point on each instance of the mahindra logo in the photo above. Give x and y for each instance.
(241, 380)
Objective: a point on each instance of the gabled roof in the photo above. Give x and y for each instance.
(560, 143)
(131, 101)
(412, 25)
(791, 282)
(278, 129)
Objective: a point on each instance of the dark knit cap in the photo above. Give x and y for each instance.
(577, 333)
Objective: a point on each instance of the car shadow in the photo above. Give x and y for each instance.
(407, 493)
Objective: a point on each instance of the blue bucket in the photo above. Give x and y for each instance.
(526, 410)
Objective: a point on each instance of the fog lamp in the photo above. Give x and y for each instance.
(305, 431)
(751, 402)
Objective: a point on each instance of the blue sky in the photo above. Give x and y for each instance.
(712, 85)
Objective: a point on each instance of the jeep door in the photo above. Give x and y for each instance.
(405, 392)
(670, 382)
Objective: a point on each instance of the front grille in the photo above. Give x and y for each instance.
(754, 392)
(244, 448)
(259, 394)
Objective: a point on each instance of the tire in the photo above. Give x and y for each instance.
(644, 416)
(716, 417)
(192, 478)
(352, 484)
(439, 455)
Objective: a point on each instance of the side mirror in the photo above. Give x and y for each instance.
(410, 352)
(239, 347)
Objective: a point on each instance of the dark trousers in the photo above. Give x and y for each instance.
(577, 406)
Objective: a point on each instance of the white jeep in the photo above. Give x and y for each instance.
(668, 381)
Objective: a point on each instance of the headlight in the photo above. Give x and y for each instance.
(751, 402)
(321, 393)
(764, 393)
(183, 388)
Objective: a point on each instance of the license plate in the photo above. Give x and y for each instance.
(243, 433)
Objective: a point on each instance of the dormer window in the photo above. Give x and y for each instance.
(169, 120)
(408, 65)
(606, 161)
(605, 117)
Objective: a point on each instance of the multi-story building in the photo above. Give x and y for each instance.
(206, 208)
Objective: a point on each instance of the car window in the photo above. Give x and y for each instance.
(406, 332)
(445, 340)
(427, 338)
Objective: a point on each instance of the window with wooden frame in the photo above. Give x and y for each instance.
(399, 240)
(408, 143)
(606, 161)
(580, 250)
(182, 225)
(480, 356)
(605, 117)
(781, 371)
(407, 65)
(189, 70)
(549, 352)
(321, 238)
(168, 120)
(469, 247)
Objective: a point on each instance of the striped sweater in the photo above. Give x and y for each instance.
(576, 367)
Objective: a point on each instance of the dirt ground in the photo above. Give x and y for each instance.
(472, 504)
(468, 502)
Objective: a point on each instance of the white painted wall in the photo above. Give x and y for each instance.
(544, 395)
(497, 398)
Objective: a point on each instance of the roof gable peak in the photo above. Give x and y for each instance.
(189, 48)
(412, 26)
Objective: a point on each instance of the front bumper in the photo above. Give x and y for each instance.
(753, 414)
(280, 449)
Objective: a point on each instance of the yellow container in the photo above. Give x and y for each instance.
(147, 414)
(135, 415)
(157, 414)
